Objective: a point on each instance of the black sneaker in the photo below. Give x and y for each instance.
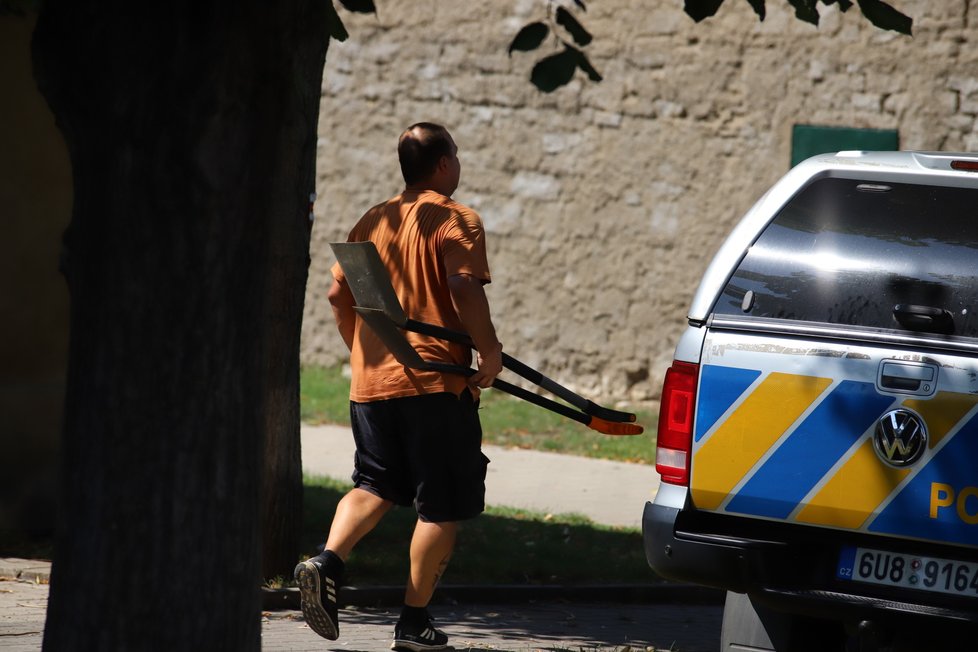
(317, 592)
(419, 640)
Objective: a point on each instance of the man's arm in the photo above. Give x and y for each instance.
(342, 301)
(472, 306)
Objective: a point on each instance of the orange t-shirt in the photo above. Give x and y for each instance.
(423, 238)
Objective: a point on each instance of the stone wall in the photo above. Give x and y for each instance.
(605, 202)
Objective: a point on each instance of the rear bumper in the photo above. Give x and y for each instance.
(713, 562)
(795, 573)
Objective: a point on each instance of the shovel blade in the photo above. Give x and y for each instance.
(368, 279)
(392, 338)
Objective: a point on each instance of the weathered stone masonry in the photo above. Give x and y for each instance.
(605, 202)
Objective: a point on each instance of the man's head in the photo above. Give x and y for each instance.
(429, 158)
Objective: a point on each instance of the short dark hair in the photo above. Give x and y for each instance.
(420, 148)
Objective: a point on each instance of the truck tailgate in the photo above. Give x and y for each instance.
(852, 437)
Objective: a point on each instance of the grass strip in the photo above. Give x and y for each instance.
(502, 546)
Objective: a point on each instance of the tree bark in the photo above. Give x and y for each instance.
(191, 128)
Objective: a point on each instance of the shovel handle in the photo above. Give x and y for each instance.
(404, 353)
(527, 372)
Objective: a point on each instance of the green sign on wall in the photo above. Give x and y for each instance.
(809, 140)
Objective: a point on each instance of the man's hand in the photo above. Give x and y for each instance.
(490, 365)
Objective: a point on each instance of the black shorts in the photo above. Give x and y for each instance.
(422, 450)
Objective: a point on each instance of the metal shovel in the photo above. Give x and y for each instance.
(378, 305)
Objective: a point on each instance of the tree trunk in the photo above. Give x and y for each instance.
(191, 128)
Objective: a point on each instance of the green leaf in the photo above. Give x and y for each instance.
(886, 17)
(567, 20)
(584, 64)
(805, 10)
(550, 73)
(359, 6)
(758, 6)
(701, 9)
(529, 38)
(333, 23)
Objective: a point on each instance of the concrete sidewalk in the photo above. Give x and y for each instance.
(609, 493)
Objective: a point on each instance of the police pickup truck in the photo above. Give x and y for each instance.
(818, 430)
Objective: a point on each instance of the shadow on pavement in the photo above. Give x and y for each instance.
(550, 626)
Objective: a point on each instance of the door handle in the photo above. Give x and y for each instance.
(918, 378)
(927, 319)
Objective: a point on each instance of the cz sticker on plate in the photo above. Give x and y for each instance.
(909, 571)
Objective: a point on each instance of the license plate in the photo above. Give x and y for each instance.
(909, 571)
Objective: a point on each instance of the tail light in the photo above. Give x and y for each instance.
(674, 441)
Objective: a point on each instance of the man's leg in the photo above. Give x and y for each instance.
(431, 548)
(357, 513)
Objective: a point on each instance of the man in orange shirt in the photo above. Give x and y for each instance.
(417, 433)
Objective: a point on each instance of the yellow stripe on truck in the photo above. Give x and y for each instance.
(725, 458)
(856, 489)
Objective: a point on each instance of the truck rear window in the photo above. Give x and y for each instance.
(848, 252)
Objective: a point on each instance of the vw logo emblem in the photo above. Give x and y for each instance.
(900, 438)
